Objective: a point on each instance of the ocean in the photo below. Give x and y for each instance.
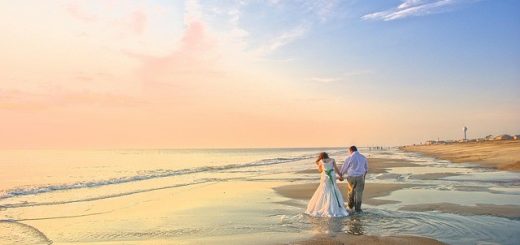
(193, 196)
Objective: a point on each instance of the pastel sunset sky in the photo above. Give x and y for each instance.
(216, 73)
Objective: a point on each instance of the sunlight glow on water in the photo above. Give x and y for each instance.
(163, 194)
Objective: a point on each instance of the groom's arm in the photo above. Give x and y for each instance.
(366, 167)
(345, 166)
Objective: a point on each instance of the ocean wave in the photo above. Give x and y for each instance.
(144, 175)
(95, 198)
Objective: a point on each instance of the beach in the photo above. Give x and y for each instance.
(248, 196)
(498, 154)
(194, 122)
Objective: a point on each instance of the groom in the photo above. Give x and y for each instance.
(356, 168)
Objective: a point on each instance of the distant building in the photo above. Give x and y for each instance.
(504, 137)
(435, 142)
(516, 137)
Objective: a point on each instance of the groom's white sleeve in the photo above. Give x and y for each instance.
(344, 168)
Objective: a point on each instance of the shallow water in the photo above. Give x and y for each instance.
(450, 228)
(200, 196)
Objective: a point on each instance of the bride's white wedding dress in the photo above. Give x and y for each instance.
(327, 201)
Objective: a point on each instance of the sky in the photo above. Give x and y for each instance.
(240, 74)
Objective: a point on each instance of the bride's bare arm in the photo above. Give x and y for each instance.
(319, 166)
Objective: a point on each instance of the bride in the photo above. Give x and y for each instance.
(327, 201)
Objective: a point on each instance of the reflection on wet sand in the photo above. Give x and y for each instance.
(263, 203)
(333, 226)
(355, 226)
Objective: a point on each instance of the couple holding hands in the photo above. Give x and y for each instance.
(327, 200)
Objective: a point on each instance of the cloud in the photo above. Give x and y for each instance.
(410, 8)
(134, 18)
(77, 12)
(323, 9)
(194, 57)
(320, 9)
(135, 21)
(284, 39)
(193, 11)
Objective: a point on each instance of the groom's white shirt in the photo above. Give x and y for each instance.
(355, 165)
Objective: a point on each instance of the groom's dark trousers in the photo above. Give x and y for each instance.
(355, 191)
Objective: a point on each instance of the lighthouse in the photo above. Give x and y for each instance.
(465, 129)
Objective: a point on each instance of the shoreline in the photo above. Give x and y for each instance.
(500, 154)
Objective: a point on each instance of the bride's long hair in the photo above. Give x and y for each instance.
(323, 155)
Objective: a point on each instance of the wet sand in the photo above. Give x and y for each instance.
(432, 176)
(507, 211)
(369, 240)
(379, 165)
(502, 154)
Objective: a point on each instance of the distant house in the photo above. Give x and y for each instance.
(434, 142)
(516, 137)
(504, 137)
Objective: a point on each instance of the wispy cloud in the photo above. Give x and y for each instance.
(324, 9)
(284, 39)
(321, 9)
(76, 11)
(410, 8)
(134, 20)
